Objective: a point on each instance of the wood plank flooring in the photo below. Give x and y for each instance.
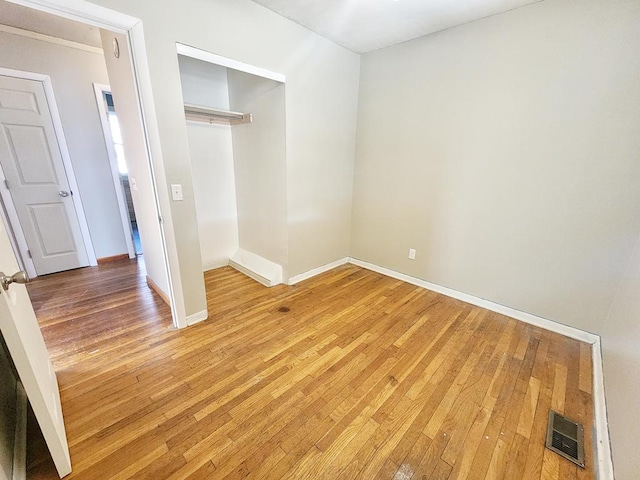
(348, 375)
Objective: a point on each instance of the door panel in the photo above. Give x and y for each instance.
(27, 349)
(48, 217)
(30, 155)
(32, 164)
(16, 100)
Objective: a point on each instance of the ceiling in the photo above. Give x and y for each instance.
(366, 25)
(40, 22)
(359, 25)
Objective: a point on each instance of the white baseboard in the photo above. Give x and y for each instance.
(261, 269)
(317, 271)
(223, 262)
(20, 439)
(250, 273)
(603, 464)
(560, 328)
(197, 317)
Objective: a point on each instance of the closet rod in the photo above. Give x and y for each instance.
(211, 114)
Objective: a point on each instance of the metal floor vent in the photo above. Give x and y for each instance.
(566, 438)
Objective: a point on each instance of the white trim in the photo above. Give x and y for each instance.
(68, 167)
(209, 57)
(140, 68)
(261, 269)
(99, 90)
(7, 224)
(317, 271)
(66, 160)
(250, 273)
(49, 39)
(551, 325)
(223, 262)
(20, 438)
(17, 238)
(197, 317)
(604, 459)
(83, 12)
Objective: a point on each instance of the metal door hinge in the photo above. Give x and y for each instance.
(6, 184)
(29, 253)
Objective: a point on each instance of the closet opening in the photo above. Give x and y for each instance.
(235, 121)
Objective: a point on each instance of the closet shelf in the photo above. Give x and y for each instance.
(215, 115)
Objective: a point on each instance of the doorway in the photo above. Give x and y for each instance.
(46, 216)
(97, 31)
(115, 227)
(119, 170)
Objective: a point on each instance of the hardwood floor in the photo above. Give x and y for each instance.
(347, 375)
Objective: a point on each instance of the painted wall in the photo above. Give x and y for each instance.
(259, 157)
(73, 73)
(211, 152)
(321, 104)
(506, 152)
(620, 341)
(7, 414)
(126, 104)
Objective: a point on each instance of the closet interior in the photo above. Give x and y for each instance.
(236, 129)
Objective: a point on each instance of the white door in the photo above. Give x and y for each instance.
(26, 346)
(32, 164)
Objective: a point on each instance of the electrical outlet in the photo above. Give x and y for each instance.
(412, 253)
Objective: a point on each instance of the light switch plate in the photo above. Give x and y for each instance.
(176, 192)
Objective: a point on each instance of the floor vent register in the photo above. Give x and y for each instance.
(566, 438)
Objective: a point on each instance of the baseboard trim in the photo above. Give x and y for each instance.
(20, 438)
(603, 463)
(250, 273)
(197, 317)
(114, 258)
(223, 262)
(529, 318)
(317, 271)
(154, 286)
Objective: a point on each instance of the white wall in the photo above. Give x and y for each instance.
(321, 102)
(506, 152)
(73, 73)
(621, 353)
(203, 83)
(259, 157)
(126, 105)
(211, 151)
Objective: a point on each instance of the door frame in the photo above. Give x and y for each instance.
(100, 89)
(12, 213)
(115, 21)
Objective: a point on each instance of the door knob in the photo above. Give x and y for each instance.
(62, 193)
(19, 277)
